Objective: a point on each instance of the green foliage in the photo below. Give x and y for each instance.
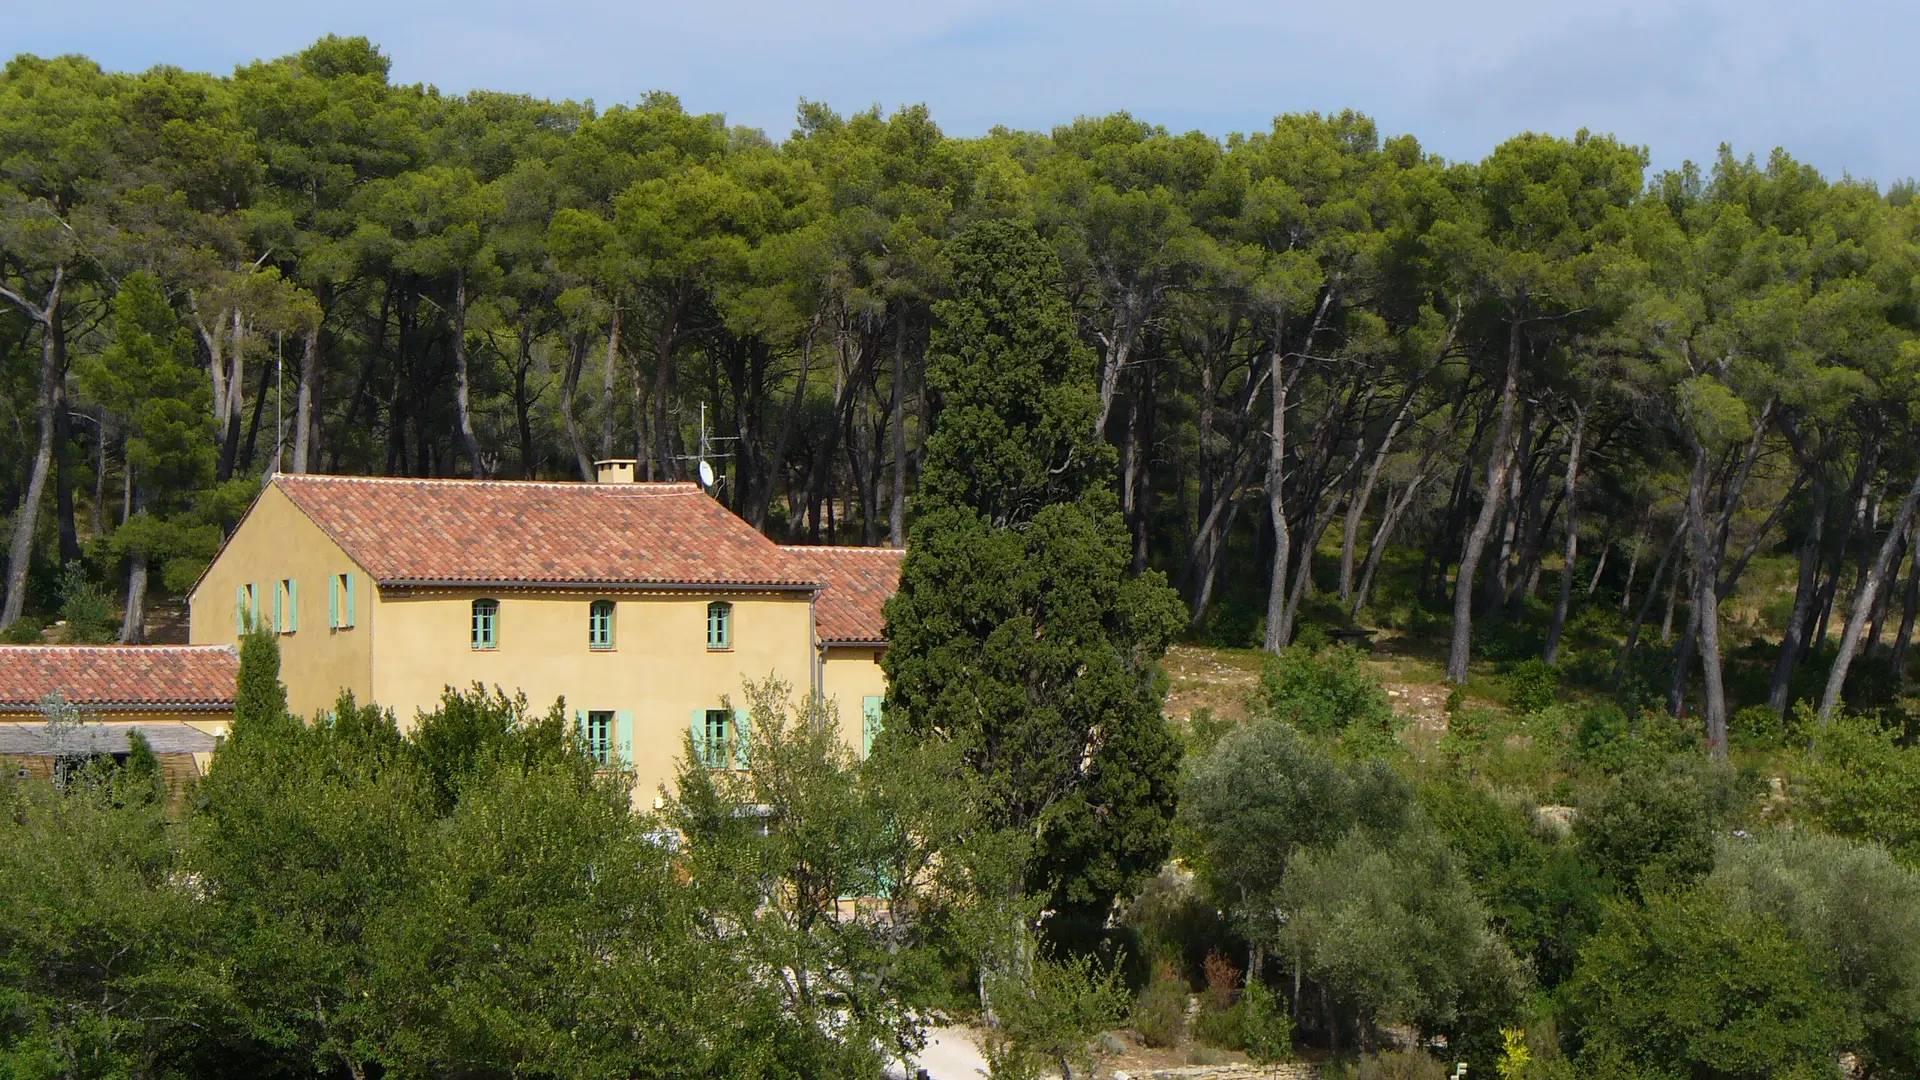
(85, 608)
(1863, 784)
(1160, 1014)
(1540, 894)
(1390, 924)
(457, 741)
(25, 631)
(1654, 828)
(1757, 727)
(1052, 1015)
(1324, 692)
(1857, 913)
(260, 701)
(1013, 386)
(1266, 1031)
(1399, 1065)
(1532, 685)
(1686, 987)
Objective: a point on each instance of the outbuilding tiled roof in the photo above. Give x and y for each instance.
(182, 677)
(859, 581)
(507, 532)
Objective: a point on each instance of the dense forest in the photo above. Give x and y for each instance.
(1616, 466)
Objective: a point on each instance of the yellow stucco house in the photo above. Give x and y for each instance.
(644, 605)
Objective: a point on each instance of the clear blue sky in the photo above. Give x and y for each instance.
(1836, 83)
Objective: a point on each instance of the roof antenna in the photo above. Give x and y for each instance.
(709, 477)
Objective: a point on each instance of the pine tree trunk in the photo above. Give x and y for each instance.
(897, 417)
(26, 518)
(569, 387)
(1863, 601)
(306, 401)
(1499, 460)
(1278, 632)
(1908, 610)
(1707, 606)
(1794, 641)
(463, 383)
(608, 371)
(1571, 554)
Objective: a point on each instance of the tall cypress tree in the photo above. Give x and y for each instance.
(1017, 633)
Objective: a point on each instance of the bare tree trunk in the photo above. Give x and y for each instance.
(1278, 632)
(1908, 609)
(1571, 554)
(1382, 536)
(1599, 566)
(897, 415)
(569, 386)
(26, 518)
(1499, 460)
(462, 382)
(607, 372)
(776, 463)
(1646, 605)
(133, 629)
(1793, 641)
(1357, 505)
(1706, 605)
(1863, 603)
(1885, 598)
(305, 395)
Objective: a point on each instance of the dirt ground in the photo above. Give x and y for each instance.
(1222, 679)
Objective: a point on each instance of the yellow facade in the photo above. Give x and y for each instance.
(852, 679)
(659, 669)
(278, 543)
(406, 645)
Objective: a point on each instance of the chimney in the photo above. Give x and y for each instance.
(615, 470)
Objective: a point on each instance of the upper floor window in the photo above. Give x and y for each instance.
(600, 625)
(246, 610)
(340, 601)
(599, 735)
(719, 625)
(286, 606)
(486, 624)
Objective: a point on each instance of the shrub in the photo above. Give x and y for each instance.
(1220, 1022)
(1161, 1013)
(24, 631)
(1531, 685)
(1865, 786)
(1323, 692)
(1757, 727)
(1399, 1065)
(1656, 826)
(1266, 1031)
(1683, 986)
(86, 608)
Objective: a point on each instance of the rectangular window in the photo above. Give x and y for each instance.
(286, 606)
(340, 601)
(719, 625)
(486, 624)
(600, 625)
(870, 724)
(599, 735)
(714, 745)
(246, 610)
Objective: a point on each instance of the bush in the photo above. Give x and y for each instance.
(1655, 827)
(1683, 986)
(1864, 785)
(1399, 1065)
(1160, 1015)
(1531, 686)
(24, 631)
(85, 607)
(1220, 1022)
(1323, 692)
(1757, 727)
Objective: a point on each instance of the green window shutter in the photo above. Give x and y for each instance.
(279, 611)
(239, 611)
(699, 730)
(347, 580)
(742, 731)
(333, 601)
(293, 605)
(623, 737)
(870, 724)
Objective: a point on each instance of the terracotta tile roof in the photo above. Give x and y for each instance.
(507, 532)
(859, 582)
(119, 676)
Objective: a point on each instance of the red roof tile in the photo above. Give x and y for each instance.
(503, 532)
(859, 582)
(119, 676)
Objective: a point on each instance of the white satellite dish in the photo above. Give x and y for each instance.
(706, 475)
